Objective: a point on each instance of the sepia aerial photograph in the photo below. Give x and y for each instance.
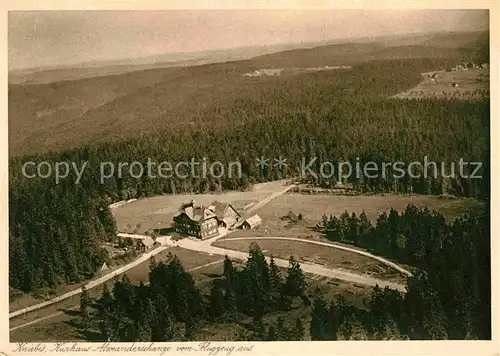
(248, 175)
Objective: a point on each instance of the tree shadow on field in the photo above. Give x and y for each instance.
(164, 230)
(71, 312)
(87, 335)
(212, 275)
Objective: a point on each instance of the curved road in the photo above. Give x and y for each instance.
(206, 247)
(141, 259)
(333, 245)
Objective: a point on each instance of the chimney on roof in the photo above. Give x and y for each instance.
(188, 204)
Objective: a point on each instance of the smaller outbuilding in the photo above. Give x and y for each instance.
(252, 222)
(145, 243)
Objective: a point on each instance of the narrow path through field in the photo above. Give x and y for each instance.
(268, 199)
(91, 284)
(333, 245)
(78, 306)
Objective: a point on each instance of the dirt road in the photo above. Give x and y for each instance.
(78, 306)
(91, 284)
(137, 262)
(260, 204)
(206, 247)
(332, 245)
(306, 267)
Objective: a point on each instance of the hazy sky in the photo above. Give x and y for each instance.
(48, 38)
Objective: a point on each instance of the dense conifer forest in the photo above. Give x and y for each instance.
(55, 229)
(448, 297)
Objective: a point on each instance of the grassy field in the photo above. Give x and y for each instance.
(322, 255)
(157, 212)
(470, 84)
(313, 207)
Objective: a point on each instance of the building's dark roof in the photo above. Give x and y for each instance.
(197, 213)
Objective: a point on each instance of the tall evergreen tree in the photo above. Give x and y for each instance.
(85, 305)
(321, 327)
(298, 331)
(295, 283)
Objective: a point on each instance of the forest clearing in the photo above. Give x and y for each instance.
(443, 84)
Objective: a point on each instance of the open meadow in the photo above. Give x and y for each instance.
(157, 212)
(312, 208)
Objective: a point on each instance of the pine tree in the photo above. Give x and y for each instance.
(283, 333)
(295, 283)
(321, 327)
(271, 334)
(276, 287)
(298, 330)
(106, 314)
(230, 304)
(352, 329)
(274, 275)
(217, 301)
(189, 329)
(85, 304)
(254, 283)
(163, 329)
(390, 331)
(259, 330)
(228, 269)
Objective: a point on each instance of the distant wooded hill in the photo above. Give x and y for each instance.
(123, 105)
(213, 111)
